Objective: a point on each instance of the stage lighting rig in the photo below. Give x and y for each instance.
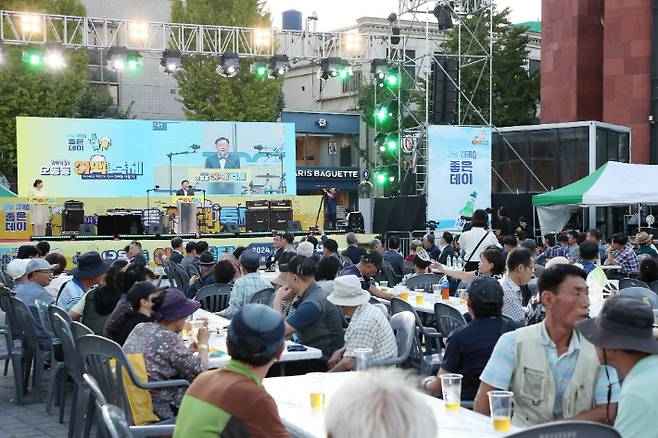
(279, 66)
(229, 66)
(335, 67)
(260, 68)
(30, 23)
(385, 75)
(121, 59)
(171, 61)
(54, 59)
(32, 57)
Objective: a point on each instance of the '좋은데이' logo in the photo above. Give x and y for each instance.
(102, 144)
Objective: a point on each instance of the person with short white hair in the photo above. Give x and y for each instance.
(382, 406)
(305, 249)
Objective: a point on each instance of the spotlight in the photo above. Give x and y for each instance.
(379, 68)
(32, 57)
(138, 30)
(171, 60)
(30, 23)
(259, 68)
(262, 37)
(353, 41)
(279, 66)
(381, 177)
(120, 59)
(443, 13)
(391, 178)
(229, 66)
(54, 59)
(335, 67)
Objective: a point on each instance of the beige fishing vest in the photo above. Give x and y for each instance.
(534, 386)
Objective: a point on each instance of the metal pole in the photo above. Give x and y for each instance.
(490, 64)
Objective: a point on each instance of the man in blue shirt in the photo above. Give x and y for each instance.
(39, 274)
(87, 274)
(330, 208)
(594, 235)
(589, 255)
(469, 347)
(369, 265)
(623, 336)
(430, 247)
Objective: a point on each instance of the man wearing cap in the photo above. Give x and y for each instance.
(469, 347)
(623, 336)
(16, 270)
(87, 274)
(552, 370)
(246, 286)
(232, 401)
(39, 274)
(206, 266)
(369, 265)
(316, 322)
(644, 245)
(368, 327)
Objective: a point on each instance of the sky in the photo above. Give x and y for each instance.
(334, 14)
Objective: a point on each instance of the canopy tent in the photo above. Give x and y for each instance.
(614, 184)
(6, 193)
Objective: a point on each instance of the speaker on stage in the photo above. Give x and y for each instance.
(156, 229)
(279, 219)
(87, 230)
(258, 220)
(355, 223)
(72, 217)
(294, 226)
(231, 227)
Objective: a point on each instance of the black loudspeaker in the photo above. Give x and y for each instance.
(444, 94)
(72, 219)
(231, 227)
(279, 219)
(87, 230)
(355, 222)
(294, 226)
(258, 220)
(387, 215)
(156, 229)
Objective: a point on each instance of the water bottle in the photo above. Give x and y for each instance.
(445, 288)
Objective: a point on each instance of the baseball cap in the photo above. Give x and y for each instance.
(39, 265)
(260, 324)
(16, 268)
(485, 290)
(372, 257)
(250, 259)
(206, 259)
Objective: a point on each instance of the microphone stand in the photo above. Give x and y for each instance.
(170, 155)
(320, 208)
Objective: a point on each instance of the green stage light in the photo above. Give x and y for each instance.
(33, 58)
(381, 114)
(133, 64)
(391, 178)
(345, 73)
(261, 70)
(392, 144)
(382, 148)
(392, 80)
(381, 178)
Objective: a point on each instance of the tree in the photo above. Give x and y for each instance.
(25, 91)
(515, 90)
(97, 103)
(206, 95)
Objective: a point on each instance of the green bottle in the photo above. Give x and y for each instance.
(468, 209)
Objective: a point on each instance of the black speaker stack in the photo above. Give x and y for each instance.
(73, 216)
(264, 215)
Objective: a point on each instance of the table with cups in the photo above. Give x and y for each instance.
(424, 302)
(218, 355)
(302, 400)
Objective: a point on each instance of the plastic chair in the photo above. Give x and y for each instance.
(79, 329)
(96, 353)
(74, 369)
(383, 308)
(214, 298)
(33, 355)
(404, 327)
(625, 283)
(408, 267)
(654, 286)
(113, 420)
(12, 333)
(429, 360)
(579, 429)
(447, 319)
(263, 297)
(390, 275)
(423, 281)
(643, 294)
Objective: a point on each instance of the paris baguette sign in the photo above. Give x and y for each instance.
(328, 173)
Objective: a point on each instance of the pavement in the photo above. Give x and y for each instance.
(30, 419)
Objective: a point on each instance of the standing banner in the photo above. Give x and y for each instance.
(105, 157)
(458, 173)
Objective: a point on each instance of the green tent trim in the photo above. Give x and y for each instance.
(571, 194)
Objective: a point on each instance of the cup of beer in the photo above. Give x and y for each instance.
(316, 391)
(419, 296)
(451, 384)
(404, 295)
(500, 404)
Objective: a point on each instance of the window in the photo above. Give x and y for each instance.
(353, 83)
(534, 65)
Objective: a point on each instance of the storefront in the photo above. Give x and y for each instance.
(327, 155)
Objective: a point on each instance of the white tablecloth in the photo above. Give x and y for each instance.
(292, 396)
(217, 342)
(429, 300)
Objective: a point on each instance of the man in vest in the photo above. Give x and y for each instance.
(623, 336)
(553, 372)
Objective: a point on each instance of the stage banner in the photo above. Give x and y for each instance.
(458, 173)
(104, 157)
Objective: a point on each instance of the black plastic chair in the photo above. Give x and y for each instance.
(12, 334)
(390, 275)
(579, 429)
(264, 296)
(96, 353)
(214, 298)
(447, 319)
(625, 283)
(403, 325)
(427, 360)
(423, 281)
(654, 286)
(113, 421)
(33, 355)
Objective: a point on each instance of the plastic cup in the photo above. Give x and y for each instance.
(362, 356)
(317, 400)
(463, 296)
(316, 391)
(194, 328)
(500, 404)
(451, 384)
(383, 284)
(404, 295)
(436, 289)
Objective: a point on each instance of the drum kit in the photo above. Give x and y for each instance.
(265, 188)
